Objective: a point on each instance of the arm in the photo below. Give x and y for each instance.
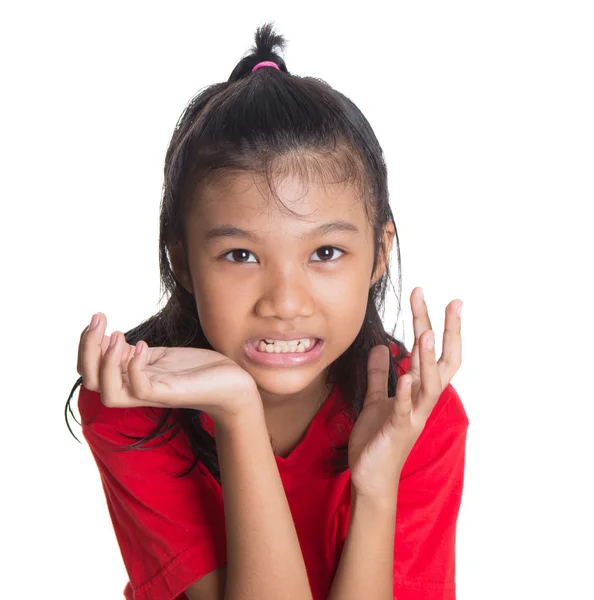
(366, 567)
(421, 546)
(264, 559)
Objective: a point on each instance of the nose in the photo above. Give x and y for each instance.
(286, 295)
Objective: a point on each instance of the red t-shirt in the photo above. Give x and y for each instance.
(171, 531)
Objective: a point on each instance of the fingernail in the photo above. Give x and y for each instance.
(422, 295)
(112, 340)
(460, 308)
(430, 342)
(94, 322)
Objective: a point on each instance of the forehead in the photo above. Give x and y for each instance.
(286, 202)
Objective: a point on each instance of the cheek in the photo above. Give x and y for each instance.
(349, 312)
(221, 312)
(218, 311)
(344, 305)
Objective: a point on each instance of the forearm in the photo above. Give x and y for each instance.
(366, 567)
(264, 559)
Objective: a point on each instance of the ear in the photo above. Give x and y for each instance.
(179, 266)
(388, 239)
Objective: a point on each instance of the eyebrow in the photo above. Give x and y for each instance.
(225, 231)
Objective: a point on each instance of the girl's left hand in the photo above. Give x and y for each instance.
(387, 428)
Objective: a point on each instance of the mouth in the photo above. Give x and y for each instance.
(298, 346)
(284, 354)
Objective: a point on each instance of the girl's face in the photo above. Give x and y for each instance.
(283, 274)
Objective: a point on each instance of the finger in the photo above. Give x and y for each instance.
(127, 355)
(105, 344)
(430, 377)
(91, 353)
(403, 406)
(139, 381)
(79, 353)
(377, 374)
(421, 323)
(451, 355)
(110, 381)
(415, 363)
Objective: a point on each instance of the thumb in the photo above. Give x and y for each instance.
(378, 363)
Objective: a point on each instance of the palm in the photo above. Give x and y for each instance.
(181, 378)
(371, 453)
(179, 374)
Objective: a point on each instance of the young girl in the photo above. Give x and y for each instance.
(262, 436)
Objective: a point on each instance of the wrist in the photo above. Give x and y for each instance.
(384, 502)
(251, 410)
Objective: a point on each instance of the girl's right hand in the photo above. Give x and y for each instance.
(163, 377)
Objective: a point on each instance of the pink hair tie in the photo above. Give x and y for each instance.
(266, 63)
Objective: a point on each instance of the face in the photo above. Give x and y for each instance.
(284, 275)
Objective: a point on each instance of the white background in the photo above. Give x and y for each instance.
(485, 113)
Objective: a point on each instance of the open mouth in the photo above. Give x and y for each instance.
(281, 353)
(302, 346)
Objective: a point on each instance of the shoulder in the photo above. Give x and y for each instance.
(151, 437)
(133, 421)
(170, 528)
(141, 454)
(94, 413)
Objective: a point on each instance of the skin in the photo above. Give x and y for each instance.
(283, 282)
(381, 438)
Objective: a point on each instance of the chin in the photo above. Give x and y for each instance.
(284, 382)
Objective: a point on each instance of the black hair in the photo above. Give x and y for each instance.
(268, 122)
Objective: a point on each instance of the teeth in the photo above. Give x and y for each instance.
(289, 342)
(287, 347)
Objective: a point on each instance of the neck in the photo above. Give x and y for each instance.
(289, 416)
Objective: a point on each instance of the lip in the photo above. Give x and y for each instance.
(284, 360)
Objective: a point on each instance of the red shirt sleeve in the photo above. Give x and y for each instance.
(429, 498)
(170, 530)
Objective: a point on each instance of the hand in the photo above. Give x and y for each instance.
(129, 376)
(387, 428)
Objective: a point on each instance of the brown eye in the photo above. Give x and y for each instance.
(326, 252)
(239, 255)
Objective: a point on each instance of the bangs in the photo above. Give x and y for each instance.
(337, 168)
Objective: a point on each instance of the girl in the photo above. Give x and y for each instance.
(262, 436)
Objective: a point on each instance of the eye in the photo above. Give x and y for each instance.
(328, 249)
(241, 252)
(237, 252)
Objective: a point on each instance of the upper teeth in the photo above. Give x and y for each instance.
(276, 346)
